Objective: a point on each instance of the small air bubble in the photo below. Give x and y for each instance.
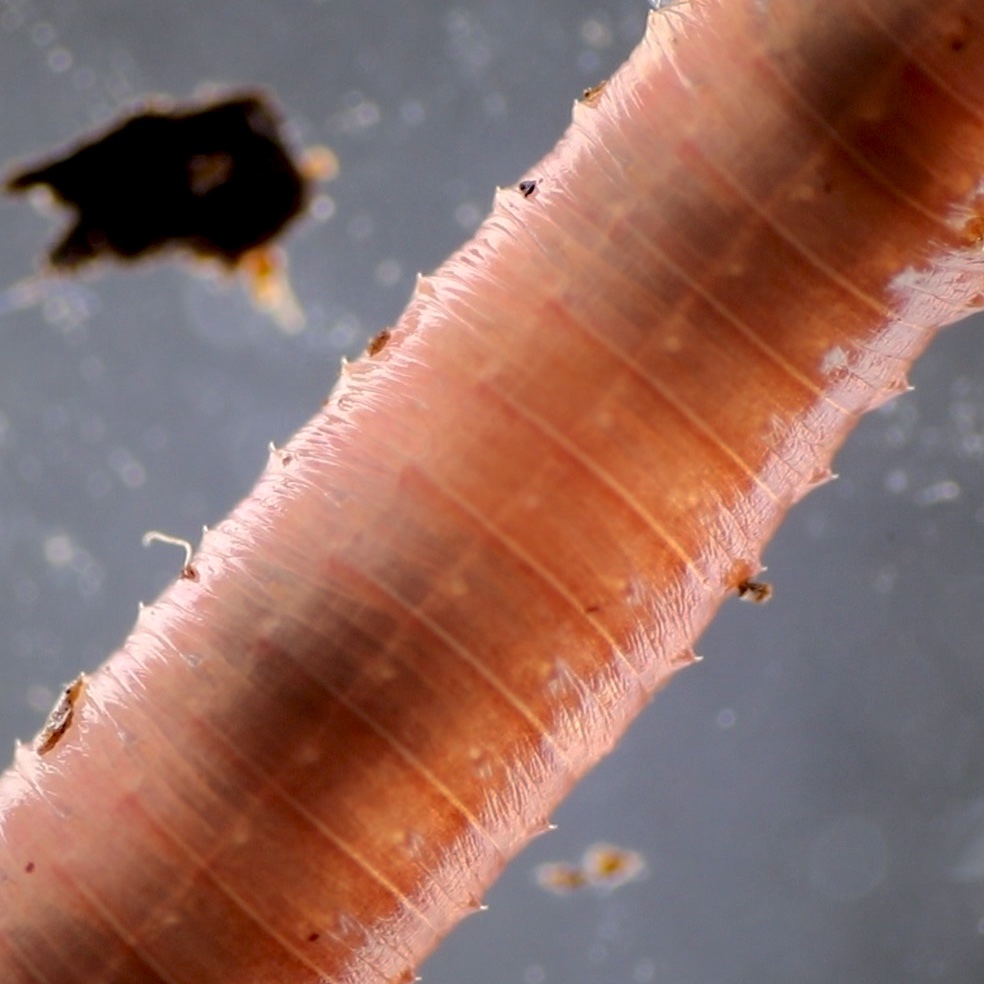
(884, 580)
(11, 19)
(101, 112)
(588, 63)
(83, 78)
(932, 495)
(895, 436)
(388, 273)
(58, 550)
(726, 718)
(42, 34)
(68, 307)
(468, 215)
(322, 208)
(40, 698)
(343, 332)
(359, 114)
(494, 104)
(595, 34)
(120, 89)
(816, 525)
(90, 577)
(59, 59)
(360, 228)
(534, 974)
(127, 468)
(896, 481)
(412, 112)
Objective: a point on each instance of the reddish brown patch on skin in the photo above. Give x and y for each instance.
(972, 231)
(378, 342)
(60, 717)
(29, 867)
(314, 937)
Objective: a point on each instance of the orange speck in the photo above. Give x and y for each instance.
(559, 877)
(320, 163)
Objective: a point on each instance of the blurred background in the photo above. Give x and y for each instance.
(809, 800)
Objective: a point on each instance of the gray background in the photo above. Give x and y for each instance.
(809, 800)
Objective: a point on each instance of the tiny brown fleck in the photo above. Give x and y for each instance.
(560, 877)
(757, 592)
(592, 94)
(608, 866)
(528, 187)
(188, 573)
(29, 867)
(314, 937)
(60, 717)
(378, 342)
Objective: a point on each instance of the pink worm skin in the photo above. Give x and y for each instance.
(449, 595)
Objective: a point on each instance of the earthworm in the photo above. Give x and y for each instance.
(451, 592)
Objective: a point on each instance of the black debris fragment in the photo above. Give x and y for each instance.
(215, 179)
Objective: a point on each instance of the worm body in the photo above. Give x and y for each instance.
(449, 595)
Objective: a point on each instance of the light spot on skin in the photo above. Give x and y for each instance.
(834, 361)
